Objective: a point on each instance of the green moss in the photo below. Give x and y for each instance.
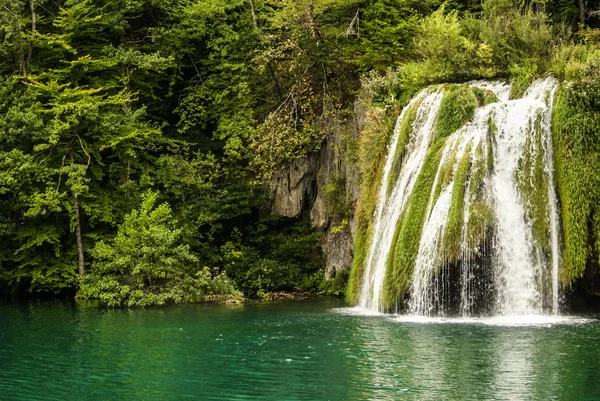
(391, 260)
(479, 169)
(493, 131)
(458, 105)
(484, 96)
(336, 199)
(406, 246)
(576, 124)
(533, 184)
(445, 176)
(373, 145)
(452, 237)
(405, 132)
(480, 213)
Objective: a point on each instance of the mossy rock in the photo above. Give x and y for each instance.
(576, 123)
(453, 234)
(458, 105)
(533, 183)
(400, 265)
(404, 135)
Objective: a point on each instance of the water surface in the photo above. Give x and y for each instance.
(309, 350)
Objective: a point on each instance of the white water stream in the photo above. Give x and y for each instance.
(390, 208)
(504, 131)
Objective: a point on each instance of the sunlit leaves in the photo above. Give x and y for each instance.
(146, 263)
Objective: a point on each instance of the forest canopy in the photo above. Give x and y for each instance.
(137, 136)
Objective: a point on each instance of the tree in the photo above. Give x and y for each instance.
(146, 263)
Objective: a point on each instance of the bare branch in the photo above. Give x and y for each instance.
(84, 151)
(354, 27)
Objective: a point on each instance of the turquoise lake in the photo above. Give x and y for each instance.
(301, 350)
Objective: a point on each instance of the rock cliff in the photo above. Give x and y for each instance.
(325, 186)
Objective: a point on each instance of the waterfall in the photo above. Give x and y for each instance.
(390, 208)
(488, 240)
(553, 202)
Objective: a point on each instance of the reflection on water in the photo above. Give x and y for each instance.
(288, 351)
(513, 370)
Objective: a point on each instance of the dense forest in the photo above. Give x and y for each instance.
(138, 137)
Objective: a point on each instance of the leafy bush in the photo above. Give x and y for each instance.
(571, 61)
(504, 41)
(446, 53)
(146, 263)
(274, 256)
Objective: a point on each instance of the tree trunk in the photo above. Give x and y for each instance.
(33, 31)
(310, 20)
(582, 11)
(22, 66)
(254, 19)
(253, 15)
(80, 254)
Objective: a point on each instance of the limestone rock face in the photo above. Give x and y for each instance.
(319, 214)
(305, 187)
(292, 187)
(339, 250)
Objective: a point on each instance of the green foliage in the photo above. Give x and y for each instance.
(146, 263)
(303, 74)
(445, 53)
(335, 286)
(107, 100)
(570, 61)
(521, 40)
(458, 105)
(577, 163)
(502, 40)
(274, 259)
(200, 100)
(387, 30)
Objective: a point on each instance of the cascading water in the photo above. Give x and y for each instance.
(390, 208)
(490, 230)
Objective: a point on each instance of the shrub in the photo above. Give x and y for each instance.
(275, 257)
(146, 263)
